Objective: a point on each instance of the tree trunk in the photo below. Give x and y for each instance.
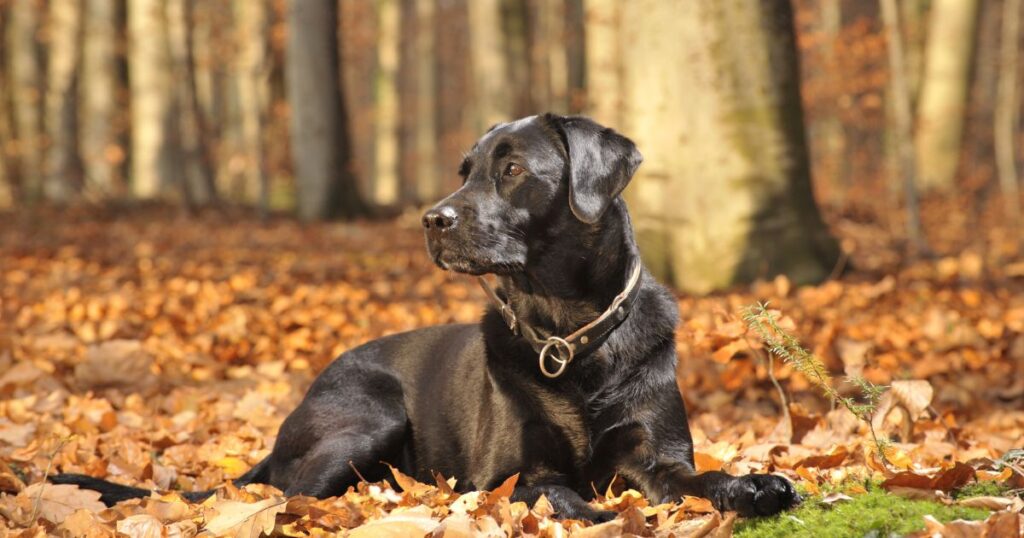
(201, 143)
(385, 149)
(63, 166)
(490, 73)
(711, 96)
(97, 98)
(941, 109)
(604, 55)
(418, 164)
(324, 182)
(903, 171)
(156, 164)
(25, 79)
(251, 79)
(455, 132)
(1007, 112)
(10, 178)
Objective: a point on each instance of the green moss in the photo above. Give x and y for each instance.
(875, 513)
(978, 489)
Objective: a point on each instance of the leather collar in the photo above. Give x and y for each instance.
(561, 350)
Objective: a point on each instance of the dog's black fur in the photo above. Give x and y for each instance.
(539, 208)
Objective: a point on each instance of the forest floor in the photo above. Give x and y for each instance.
(163, 350)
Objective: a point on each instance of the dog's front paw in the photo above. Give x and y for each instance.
(761, 495)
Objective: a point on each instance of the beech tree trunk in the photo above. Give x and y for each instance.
(97, 91)
(63, 167)
(324, 182)
(418, 148)
(25, 77)
(385, 149)
(1007, 111)
(492, 98)
(711, 96)
(944, 85)
(251, 83)
(156, 161)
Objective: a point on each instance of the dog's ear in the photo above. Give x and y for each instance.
(601, 163)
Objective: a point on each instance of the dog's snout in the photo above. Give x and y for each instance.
(440, 218)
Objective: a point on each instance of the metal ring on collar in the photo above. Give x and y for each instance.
(559, 344)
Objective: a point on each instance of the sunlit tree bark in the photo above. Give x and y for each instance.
(251, 73)
(156, 163)
(604, 60)
(492, 98)
(385, 150)
(944, 84)
(711, 94)
(97, 98)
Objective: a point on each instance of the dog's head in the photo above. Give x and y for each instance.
(523, 181)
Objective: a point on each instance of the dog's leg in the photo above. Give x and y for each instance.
(352, 419)
(331, 466)
(568, 504)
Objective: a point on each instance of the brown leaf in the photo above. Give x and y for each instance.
(117, 363)
(412, 522)
(141, 526)
(828, 461)
(86, 524)
(834, 498)
(504, 490)
(725, 353)
(853, 354)
(988, 502)
(17, 435)
(245, 520)
(610, 529)
(1004, 525)
(945, 480)
(55, 502)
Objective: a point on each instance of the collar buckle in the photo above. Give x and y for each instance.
(561, 350)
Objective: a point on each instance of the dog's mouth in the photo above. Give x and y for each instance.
(471, 265)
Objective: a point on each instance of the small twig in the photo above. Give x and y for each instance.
(769, 362)
(360, 475)
(46, 474)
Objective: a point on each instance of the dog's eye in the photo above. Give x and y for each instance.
(514, 169)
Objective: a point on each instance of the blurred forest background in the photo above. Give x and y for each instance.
(739, 107)
(202, 202)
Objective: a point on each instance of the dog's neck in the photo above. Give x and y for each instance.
(576, 276)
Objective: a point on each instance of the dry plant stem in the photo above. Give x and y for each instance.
(360, 475)
(770, 366)
(787, 347)
(46, 475)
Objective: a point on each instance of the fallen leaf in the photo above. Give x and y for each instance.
(141, 526)
(55, 502)
(828, 461)
(834, 498)
(413, 522)
(245, 520)
(989, 502)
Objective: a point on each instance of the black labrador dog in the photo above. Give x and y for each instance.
(568, 380)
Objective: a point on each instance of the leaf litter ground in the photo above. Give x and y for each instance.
(163, 351)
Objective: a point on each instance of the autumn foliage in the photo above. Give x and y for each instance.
(163, 350)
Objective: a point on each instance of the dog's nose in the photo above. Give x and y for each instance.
(440, 218)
